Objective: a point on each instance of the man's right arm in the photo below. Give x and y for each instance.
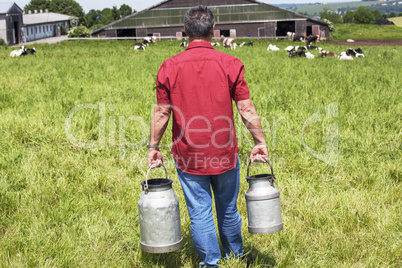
(252, 121)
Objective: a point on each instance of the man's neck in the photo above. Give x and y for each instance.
(196, 39)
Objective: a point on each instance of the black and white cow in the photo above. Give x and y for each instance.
(18, 52)
(29, 51)
(138, 46)
(299, 38)
(244, 44)
(312, 39)
(298, 53)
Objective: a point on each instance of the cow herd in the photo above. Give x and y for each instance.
(303, 51)
(294, 51)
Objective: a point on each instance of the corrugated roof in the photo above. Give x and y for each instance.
(5, 7)
(129, 21)
(47, 17)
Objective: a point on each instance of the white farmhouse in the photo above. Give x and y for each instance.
(39, 25)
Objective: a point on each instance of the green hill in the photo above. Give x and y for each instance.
(397, 21)
(315, 9)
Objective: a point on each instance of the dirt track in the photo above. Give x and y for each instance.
(369, 43)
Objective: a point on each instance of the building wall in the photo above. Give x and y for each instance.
(323, 29)
(301, 28)
(14, 29)
(14, 26)
(261, 30)
(40, 31)
(270, 31)
(3, 29)
(11, 28)
(242, 30)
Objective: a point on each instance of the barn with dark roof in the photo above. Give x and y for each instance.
(11, 23)
(233, 18)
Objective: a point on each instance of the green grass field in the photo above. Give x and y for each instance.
(397, 21)
(74, 120)
(366, 32)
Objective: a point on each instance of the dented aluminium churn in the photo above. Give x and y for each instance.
(263, 207)
(159, 213)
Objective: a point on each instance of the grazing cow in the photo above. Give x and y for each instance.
(312, 39)
(272, 47)
(29, 51)
(289, 48)
(246, 44)
(17, 53)
(146, 41)
(345, 56)
(309, 55)
(299, 38)
(290, 35)
(355, 52)
(294, 54)
(351, 52)
(300, 48)
(149, 40)
(215, 44)
(314, 47)
(358, 50)
(138, 46)
(183, 44)
(325, 53)
(229, 42)
(359, 53)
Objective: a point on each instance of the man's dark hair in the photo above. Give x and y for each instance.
(199, 21)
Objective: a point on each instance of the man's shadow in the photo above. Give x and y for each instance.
(187, 257)
(261, 259)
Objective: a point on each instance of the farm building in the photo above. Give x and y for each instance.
(233, 18)
(11, 23)
(38, 25)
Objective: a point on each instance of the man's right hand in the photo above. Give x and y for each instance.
(155, 158)
(259, 153)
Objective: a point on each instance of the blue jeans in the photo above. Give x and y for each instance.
(197, 191)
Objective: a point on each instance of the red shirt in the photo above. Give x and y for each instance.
(200, 84)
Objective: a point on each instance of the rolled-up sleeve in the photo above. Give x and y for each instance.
(162, 86)
(240, 90)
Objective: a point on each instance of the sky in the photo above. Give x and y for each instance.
(143, 4)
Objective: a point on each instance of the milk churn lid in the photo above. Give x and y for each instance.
(155, 184)
(270, 177)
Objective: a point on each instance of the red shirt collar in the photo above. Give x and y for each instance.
(198, 44)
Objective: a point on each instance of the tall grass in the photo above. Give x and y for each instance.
(366, 32)
(66, 203)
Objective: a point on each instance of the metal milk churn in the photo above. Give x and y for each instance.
(263, 208)
(159, 213)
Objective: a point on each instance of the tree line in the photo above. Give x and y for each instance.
(92, 20)
(362, 15)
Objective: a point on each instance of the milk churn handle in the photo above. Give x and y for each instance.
(272, 171)
(146, 178)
